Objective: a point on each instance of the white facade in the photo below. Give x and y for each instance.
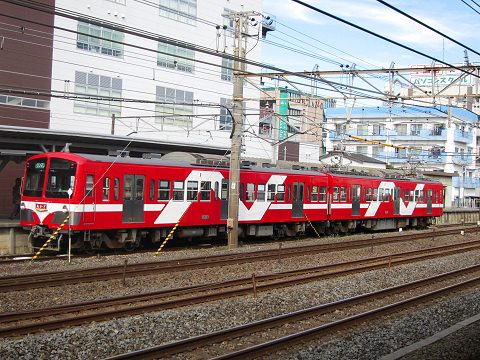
(81, 64)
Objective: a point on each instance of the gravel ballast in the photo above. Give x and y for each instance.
(377, 339)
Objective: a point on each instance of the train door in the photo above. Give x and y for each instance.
(297, 200)
(133, 203)
(224, 200)
(89, 207)
(356, 191)
(396, 201)
(429, 201)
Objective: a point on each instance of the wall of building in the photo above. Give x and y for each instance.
(26, 65)
(140, 74)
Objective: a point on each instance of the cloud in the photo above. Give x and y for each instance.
(292, 10)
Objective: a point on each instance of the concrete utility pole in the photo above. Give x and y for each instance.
(241, 29)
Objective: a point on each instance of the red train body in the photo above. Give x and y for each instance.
(123, 202)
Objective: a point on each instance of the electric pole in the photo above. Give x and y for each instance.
(241, 29)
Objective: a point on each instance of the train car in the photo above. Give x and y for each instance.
(124, 202)
(357, 200)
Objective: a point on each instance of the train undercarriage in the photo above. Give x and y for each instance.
(130, 239)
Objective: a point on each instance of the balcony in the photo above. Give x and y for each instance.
(439, 158)
(466, 183)
(463, 136)
(424, 134)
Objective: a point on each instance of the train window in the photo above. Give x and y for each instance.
(61, 177)
(178, 190)
(106, 189)
(242, 191)
(205, 187)
(412, 195)
(89, 185)
(261, 192)
(139, 189)
(368, 194)
(289, 192)
(250, 192)
(343, 194)
(375, 194)
(35, 177)
(336, 191)
(116, 189)
(152, 190)
(271, 192)
(164, 190)
(216, 190)
(314, 193)
(422, 198)
(323, 193)
(380, 194)
(307, 196)
(128, 186)
(416, 195)
(386, 196)
(192, 190)
(281, 193)
(224, 193)
(435, 196)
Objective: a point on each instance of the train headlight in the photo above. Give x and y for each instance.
(22, 206)
(64, 209)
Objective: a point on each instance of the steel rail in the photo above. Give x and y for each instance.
(293, 339)
(198, 294)
(35, 280)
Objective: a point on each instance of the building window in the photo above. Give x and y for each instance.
(176, 107)
(101, 41)
(227, 69)
(181, 10)
(226, 120)
(173, 57)
(362, 129)
(24, 102)
(363, 150)
(401, 129)
(97, 86)
(415, 129)
(294, 120)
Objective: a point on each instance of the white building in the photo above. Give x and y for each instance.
(174, 93)
(434, 139)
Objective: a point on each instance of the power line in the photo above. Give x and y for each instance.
(428, 26)
(470, 6)
(380, 36)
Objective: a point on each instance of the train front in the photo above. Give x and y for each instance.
(48, 194)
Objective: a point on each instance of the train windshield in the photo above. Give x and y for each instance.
(35, 177)
(61, 177)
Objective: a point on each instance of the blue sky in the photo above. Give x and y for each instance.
(329, 38)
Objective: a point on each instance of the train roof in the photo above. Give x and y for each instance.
(246, 166)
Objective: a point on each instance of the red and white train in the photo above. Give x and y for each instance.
(124, 202)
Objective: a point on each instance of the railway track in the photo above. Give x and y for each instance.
(19, 258)
(36, 280)
(295, 328)
(25, 322)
